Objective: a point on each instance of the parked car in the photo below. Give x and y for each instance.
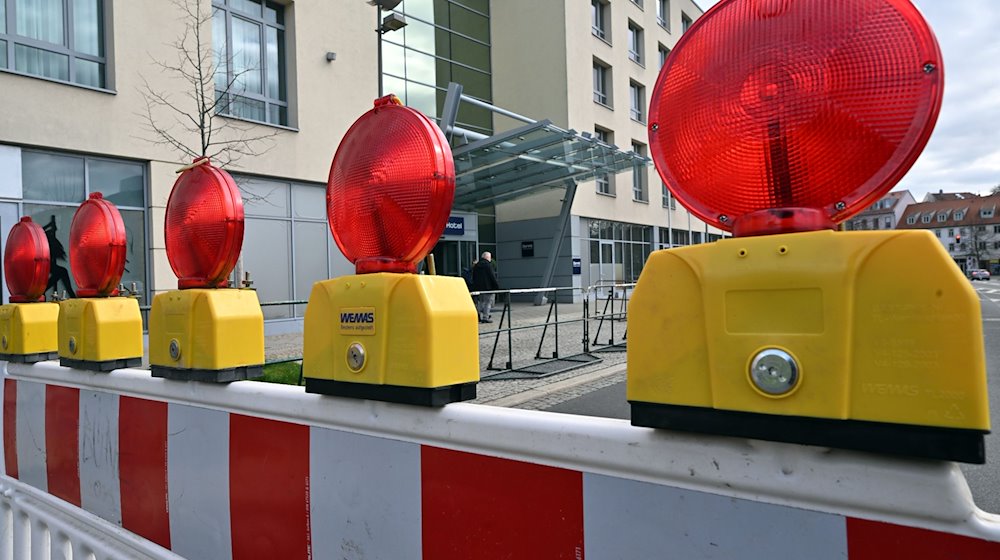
(979, 274)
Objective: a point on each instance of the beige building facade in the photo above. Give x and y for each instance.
(296, 74)
(591, 66)
(61, 140)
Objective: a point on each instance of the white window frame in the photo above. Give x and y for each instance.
(637, 101)
(635, 43)
(224, 107)
(11, 39)
(663, 14)
(602, 78)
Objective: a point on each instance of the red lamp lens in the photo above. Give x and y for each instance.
(97, 247)
(204, 226)
(390, 190)
(813, 107)
(26, 261)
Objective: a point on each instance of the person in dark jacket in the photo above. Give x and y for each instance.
(484, 279)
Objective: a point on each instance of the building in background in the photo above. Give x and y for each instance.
(884, 214)
(587, 67)
(967, 225)
(297, 74)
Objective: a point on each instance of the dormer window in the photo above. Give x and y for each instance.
(959, 214)
(926, 219)
(942, 216)
(987, 212)
(911, 219)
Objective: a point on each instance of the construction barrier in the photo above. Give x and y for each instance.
(255, 470)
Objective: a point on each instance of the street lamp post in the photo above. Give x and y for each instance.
(391, 22)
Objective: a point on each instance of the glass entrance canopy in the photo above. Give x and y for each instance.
(531, 159)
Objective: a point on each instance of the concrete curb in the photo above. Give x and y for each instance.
(564, 385)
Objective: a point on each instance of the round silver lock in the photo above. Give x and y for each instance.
(774, 371)
(3, 342)
(355, 357)
(175, 349)
(72, 345)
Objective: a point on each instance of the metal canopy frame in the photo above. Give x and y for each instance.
(532, 158)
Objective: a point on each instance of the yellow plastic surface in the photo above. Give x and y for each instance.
(214, 329)
(884, 326)
(29, 328)
(422, 330)
(103, 328)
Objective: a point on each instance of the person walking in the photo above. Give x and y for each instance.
(484, 279)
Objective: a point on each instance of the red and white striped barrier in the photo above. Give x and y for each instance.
(253, 470)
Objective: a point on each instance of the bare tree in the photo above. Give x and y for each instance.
(995, 189)
(193, 125)
(978, 241)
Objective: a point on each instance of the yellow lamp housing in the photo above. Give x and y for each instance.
(214, 335)
(860, 340)
(403, 338)
(29, 332)
(100, 334)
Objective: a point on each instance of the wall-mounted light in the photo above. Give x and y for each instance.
(331, 56)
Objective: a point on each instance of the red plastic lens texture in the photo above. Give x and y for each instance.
(97, 247)
(391, 187)
(26, 262)
(806, 104)
(204, 226)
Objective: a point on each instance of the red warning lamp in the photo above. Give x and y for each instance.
(26, 262)
(390, 190)
(775, 116)
(97, 247)
(204, 226)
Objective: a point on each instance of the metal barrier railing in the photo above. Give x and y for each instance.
(616, 293)
(615, 309)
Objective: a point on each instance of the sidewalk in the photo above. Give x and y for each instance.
(535, 393)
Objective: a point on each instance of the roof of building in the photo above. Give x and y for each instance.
(945, 196)
(970, 206)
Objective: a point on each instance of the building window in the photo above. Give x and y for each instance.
(680, 237)
(664, 53)
(635, 51)
(888, 222)
(663, 14)
(618, 250)
(986, 212)
(639, 192)
(599, 19)
(56, 39)
(926, 219)
(937, 233)
(248, 37)
(951, 232)
(942, 216)
(605, 182)
(996, 244)
(685, 22)
(996, 229)
(602, 76)
(637, 101)
(637, 3)
(911, 219)
(668, 198)
(54, 186)
(959, 215)
(951, 247)
(287, 244)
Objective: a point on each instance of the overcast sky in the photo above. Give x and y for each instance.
(963, 154)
